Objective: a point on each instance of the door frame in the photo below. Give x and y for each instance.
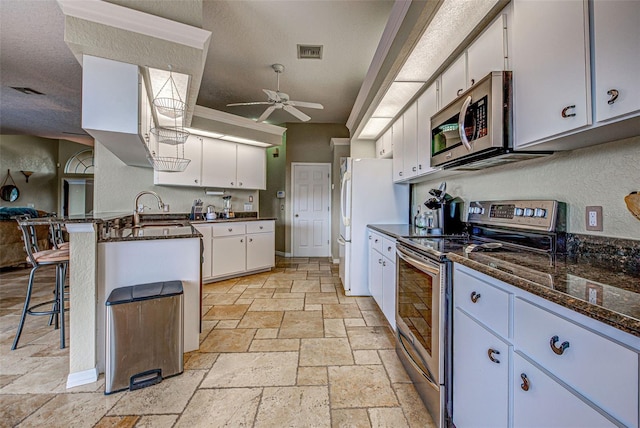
(293, 198)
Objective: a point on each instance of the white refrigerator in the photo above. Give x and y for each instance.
(367, 196)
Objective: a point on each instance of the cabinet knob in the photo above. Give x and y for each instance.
(559, 350)
(250, 239)
(473, 82)
(230, 229)
(376, 240)
(400, 173)
(195, 181)
(459, 91)
(566, 109)
(379, 261)
(261, 227)
(297, 215)
(389, 249)
(420, 166)
(613, 93)
(491, 353)
(413, 169)
(240, 183)
(384, 263)
(369, 237)
(525, 382)
(232, 183)
(475, 296)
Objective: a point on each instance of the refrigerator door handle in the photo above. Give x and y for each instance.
(343, 198)
(341, 241)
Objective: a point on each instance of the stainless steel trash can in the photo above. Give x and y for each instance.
(144, 329)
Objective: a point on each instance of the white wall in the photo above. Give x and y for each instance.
(599, 175)
(116, 186)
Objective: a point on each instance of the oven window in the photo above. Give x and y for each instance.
(415, 290)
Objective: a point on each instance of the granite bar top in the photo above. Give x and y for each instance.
(599, 278)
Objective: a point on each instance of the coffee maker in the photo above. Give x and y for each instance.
(447, 212)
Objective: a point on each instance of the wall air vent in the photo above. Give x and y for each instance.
(309, 51)
(26, 91)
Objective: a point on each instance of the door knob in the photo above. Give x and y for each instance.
(297, 215)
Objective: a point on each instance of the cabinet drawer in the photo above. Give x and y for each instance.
(389, 249)
(598, 368)
(375, 241)
(486, 303)
(259, 226)
(228, 229)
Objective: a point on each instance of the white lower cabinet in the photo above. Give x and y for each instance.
(382, 274)
(567, 370)
(236, 248)
(480, 375)
(540, 401)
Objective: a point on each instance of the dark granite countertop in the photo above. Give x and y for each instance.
(231, 220)
(580, 282)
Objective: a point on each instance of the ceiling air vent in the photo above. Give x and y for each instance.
(27, 91)
(309, 51)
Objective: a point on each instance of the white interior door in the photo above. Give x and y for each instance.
(311, 209)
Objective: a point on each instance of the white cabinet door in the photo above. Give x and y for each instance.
(260, 250)
(487, 52)
(480, 385)
(398, 151)
(427, 107)
(384, 145)
(379, 144)
(539, 401)
(375, 276)
(251, 167)
(228, 255)
(616, 39)
(191, 176)
(207, 249)
(389, 291)
(453, 80)
(410, 142)
(550, 69)
(218, 163)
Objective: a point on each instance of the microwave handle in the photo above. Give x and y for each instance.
(461, 131)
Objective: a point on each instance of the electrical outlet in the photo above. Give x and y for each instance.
(594, 218)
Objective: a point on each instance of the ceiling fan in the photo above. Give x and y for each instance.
(280, 100)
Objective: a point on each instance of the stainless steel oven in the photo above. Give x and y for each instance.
(420, 325)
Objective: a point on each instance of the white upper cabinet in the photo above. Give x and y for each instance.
(219, 164)
(616, 47)
(251, 167)
(427, 107)
(488, 52)
(398, 158)
(454, 80)
(232, 165)
(410, 142)
(550, 69)
(384, 145)
(191, 175)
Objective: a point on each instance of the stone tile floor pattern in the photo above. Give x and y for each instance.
(284, 348)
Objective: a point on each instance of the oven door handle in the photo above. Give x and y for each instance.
(418, 264)
(424, 369)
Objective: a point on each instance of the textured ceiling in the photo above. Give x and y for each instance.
(248, 36)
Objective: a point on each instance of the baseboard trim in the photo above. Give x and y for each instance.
(283, 254)
(336, 261)
(82, 378)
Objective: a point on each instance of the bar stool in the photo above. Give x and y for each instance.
(37, 258)
(57, 237)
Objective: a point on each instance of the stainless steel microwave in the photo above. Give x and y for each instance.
(475, 130)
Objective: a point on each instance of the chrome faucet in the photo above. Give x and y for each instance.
(137, 209)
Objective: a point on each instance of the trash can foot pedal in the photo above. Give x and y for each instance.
(144, 379)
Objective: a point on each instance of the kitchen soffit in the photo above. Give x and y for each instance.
(453, 25)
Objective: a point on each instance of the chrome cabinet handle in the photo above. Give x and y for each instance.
(525, 382)
(230, 229)
(613, 93)
(566, 109)
(473, 82)
(389, 249)
(400, 173)
(491, 352)
(413, 169)
(459, 92)
(420, 166)
(379, 261)
(559, 350)
(195, 181)
(369, 237)
(475, 296)
(384, 263)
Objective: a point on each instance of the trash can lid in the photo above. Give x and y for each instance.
(136, 293)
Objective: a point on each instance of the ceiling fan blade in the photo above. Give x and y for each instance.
(249, 104)
(297, 113)
(266, 114)
(273, 95)
(306, 104)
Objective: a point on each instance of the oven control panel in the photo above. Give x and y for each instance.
(542, 215)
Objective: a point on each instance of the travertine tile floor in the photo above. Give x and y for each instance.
(285, 348)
